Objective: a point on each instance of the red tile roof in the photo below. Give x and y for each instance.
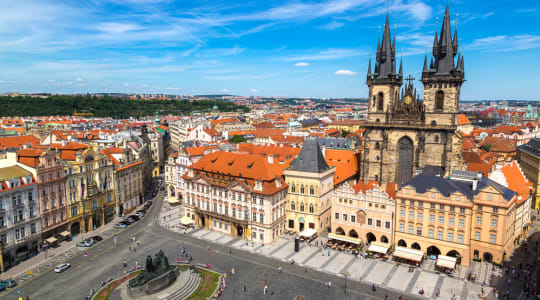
(18, 141)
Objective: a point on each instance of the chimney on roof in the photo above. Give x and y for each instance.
(270, 159)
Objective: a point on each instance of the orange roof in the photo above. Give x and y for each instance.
(29, 157)
(74, 146)
(224, 121)
(128, 166)
(212, 132)
(507, 129)
(463, 120)
(485, 168)
(18, 141)
(197, 151)
(517, 182)
(68, 155)
(283, 155)
(345, 162)
(109, 153)
(264, 132)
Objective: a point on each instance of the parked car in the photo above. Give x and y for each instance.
(86, 243)
(120, 225)
(62, 267)
(3, 286)
(162, 188)
(139, 214)
(96, 238)
(134, 217)
(147, 204)
(143, 211)
(129, 221)
(9, 283)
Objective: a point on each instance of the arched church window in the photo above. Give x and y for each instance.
(311, 190)
(377, 146)
(439, 100)
(433, 123)
(380, 103)
(293, 188)
(301, 189)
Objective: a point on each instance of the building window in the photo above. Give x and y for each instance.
(293, 188)
(420, 204)
(432, 218)
(460, 238)
(452, 208)
(450, 236)
(462, 210)
(494, 222)
(418, 230)
(301, 206)
(377, 146)
(441, 206)
(420, 216)
(353, 219)
(370, 221)
(380, 101)
(311, 210)
(492, 238)
(439, 234)
(261, 218)
(441, 220)
(411, 202)
(479, 220)
(291, 223)
(431, 233)
(402, 213)
(254, 218)
(411, 229)
(477, 235)
(345, 217)
(495, 210)
(337, 216)
(451, 221)
(292, 206)
(378, 223)
(439, 100)
(402, 201)
(301, 189)
(461, 223)
(411, 214)
(480, 207)
(432, 206)
(311, 190)
(401, 227)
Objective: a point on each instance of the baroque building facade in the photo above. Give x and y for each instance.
(405, 135)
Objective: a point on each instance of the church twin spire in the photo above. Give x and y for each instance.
(385, 63)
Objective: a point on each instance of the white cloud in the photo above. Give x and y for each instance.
(327, 54)
(302, 64)
(224, 90)
(79, 79)
(346, 73)
(114, 27)
(253, 90)
(332, 25)
(504, 43)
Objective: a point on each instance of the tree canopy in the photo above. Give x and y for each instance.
(63, 105)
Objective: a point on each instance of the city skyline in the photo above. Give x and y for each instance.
(295, 49)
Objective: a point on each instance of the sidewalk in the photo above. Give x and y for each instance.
(68, 248)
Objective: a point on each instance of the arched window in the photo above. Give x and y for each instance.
(373, 103)
(301, 189)
(293, 188)
(311, 190)
(301, 206)
(311, 208)
(377, 146)
(380, 102)
(436, 139)
(439, 100)
(293, 206)
(433, 123)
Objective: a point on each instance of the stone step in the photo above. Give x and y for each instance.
(191, 284)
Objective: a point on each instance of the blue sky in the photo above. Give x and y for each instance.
(272, 48)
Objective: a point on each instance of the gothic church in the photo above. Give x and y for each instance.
(405, 136)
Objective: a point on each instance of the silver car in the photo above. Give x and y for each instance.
(62, 267)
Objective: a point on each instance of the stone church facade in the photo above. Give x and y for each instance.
(404, 135)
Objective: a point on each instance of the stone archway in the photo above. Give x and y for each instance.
(402, 243)
(370, 237)
(453, 253)
(433, 250)
(340, 231)
(415, 246)
(353, 233)
(384, 239)
(405, 160)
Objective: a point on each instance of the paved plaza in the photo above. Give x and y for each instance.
(380, 272)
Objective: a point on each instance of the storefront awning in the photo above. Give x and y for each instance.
(379, 247)
(333, 236)
(446, 262)
(409, 254)
(65, 233)
(173, 200)
(51, 240)
(185, 220)
(307, 233)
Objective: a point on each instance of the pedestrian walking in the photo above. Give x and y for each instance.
(244, 288)
(232, 271)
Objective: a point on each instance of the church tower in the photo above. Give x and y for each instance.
(384, 82)
(443, 77)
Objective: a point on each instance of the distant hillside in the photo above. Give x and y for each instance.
(104, 106)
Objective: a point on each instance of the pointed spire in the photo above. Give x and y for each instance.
(425, 69)
(462, 64)
(401, 66)
(431, 64)
(369, 68)
(435, 42)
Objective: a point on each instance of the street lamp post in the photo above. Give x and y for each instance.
(345, 274)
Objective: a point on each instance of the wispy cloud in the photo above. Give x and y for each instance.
(253, 90)
(504, 43)
(301, 64)
(327, 54)
(332, 25)
(346, 73)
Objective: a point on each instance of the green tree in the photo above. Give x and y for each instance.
(486, 147)
(345, 132)
(236, 139)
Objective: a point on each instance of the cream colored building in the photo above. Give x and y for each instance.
(464, 216)
(528, 156)
(364, 211)
(311, 182)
